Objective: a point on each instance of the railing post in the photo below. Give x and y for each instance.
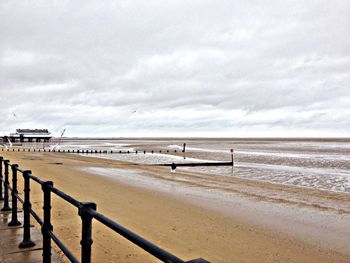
(47, 227)
(86, 240)
(27, 242)
(6, 187)
(14, 220)
(1, 178)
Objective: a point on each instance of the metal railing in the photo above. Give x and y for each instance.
(86, 211)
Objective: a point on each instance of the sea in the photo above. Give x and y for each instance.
(322, 164)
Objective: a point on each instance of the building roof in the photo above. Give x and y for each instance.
(26, 131)
(15, 135)
(31, 133)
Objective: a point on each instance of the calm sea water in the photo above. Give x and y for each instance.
(317, 164)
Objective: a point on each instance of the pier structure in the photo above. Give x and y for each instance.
(28, 135)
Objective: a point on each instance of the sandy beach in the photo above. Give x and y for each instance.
(213, 129)
(228, 219)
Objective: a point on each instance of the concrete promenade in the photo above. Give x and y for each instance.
(10, 237)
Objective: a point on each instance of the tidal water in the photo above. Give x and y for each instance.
(319, 164)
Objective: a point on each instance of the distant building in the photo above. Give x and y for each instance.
(29, 135)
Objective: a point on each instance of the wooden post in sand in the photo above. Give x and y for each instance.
(232, 157)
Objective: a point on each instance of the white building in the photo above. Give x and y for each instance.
(29, 135)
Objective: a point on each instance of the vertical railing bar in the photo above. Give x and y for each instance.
(6, 187)
(1, 178)
(47, 227)
(26, 242)
(14, 193)
(86, 232)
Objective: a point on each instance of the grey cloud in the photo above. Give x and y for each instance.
(230, 65)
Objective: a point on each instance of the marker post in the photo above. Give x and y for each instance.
(232, 157)
(184, 150)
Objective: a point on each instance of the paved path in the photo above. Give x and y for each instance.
(10, 237)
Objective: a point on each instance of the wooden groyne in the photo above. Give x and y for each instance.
(91, 151)
(198, 164)
(86, 151)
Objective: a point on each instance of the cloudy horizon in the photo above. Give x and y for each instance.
(176, 68)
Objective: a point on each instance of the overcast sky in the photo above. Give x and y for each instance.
(176, 68)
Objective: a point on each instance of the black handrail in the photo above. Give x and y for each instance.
(86, 210)
(65, 197)
(63, 248)
(141, 242)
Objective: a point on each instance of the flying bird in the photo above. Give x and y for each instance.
(62, 133)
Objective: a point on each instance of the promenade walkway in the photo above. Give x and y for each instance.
(10, 237)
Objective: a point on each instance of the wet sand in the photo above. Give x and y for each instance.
(192, 215)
